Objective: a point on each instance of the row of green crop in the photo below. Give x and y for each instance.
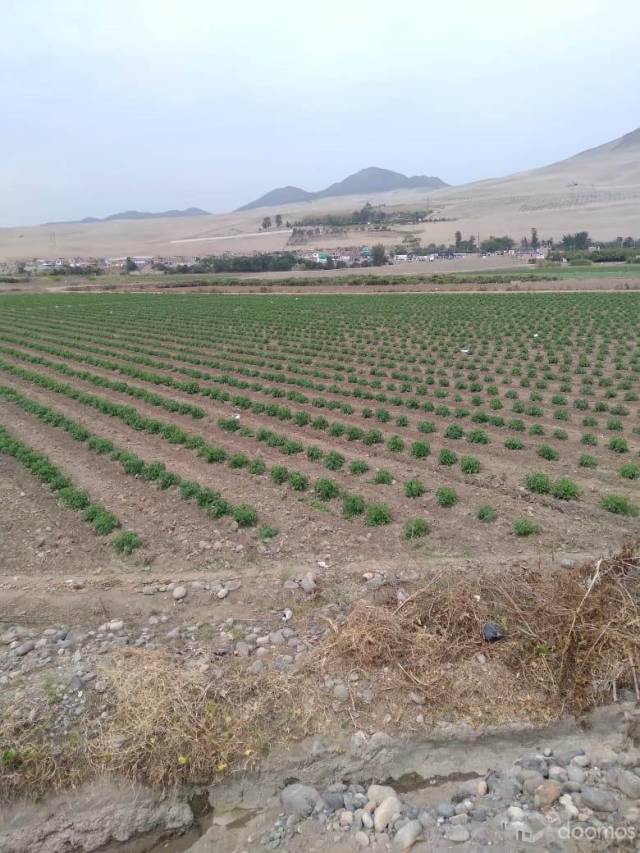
(103, 521)
(353, 433)
(549, 376)
(210, 500)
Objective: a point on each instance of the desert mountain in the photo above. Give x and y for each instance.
(135, 214)
(371, 180)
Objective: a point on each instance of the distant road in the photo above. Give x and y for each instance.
(232, 236)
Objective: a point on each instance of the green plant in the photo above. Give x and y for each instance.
(538, 483)
(358, 466)
(619, 505)
(447, 457)
(548, 453)
(383, 478)
(352, 505)
(245, 515)
(565, 489)
(126, 542)
(446, 496)
(525, 527)
(326, 489)
(314, 453)
(299, 482)
(618, 445)
(267, 531)
(630, 471)
(377, 515)
(415, 528)
(454, 431)
(420, 449)
(279, 474)
(414, 489)
(257, 466)
(486, 513)
(470, 465)
(395, 444)
(334, 461)
(513, 443)
(587, 461)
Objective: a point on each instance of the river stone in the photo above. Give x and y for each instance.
(24, 648)
(626, 781)
(599, 801)
(458, 834)
(547, 793)
(299, 799)
(376, 794)
(388, 811)
(577, 774)
(407, 836)
(362, 839)
(446, 809)
(333, 800)
(179, 592)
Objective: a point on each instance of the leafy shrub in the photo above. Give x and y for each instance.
(446, 496)
(560, 434)
(565, 489)
(447, 457)
(427, 426)
(126, 542)
(257, 466)
(383, 478)
(238, 460)
(454, 431)
(326, 489)
(100, 445)
(104, 522)
(279, 474)
(547, 452)
(478, 436)
(415, 528)
(513, 443)
(352, 505)
(314, 453)
(267, 532)
(470, 465)
(414, 489)
(525, 527)
(618, 445)
(74, 498)
(334, 461)
(420, 449)
(299, 482)
(589, 439)
(374, 436)
(536, 429)
(377, 515)
(538, 482)
(630, 471)
(358, 466)
(619, 505)
(587, 461)
(486, 513)
(395, 444)
(245, 515)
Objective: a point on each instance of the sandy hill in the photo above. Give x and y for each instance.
(370, 180)
(597, 190)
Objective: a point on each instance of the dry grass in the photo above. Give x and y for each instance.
(572, 639)
(170, 724)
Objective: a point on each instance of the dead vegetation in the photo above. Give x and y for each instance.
(172, 724)
(572, 639)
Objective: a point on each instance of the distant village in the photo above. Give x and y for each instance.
(352, 257)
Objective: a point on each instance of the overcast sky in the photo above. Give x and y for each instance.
(107, 105)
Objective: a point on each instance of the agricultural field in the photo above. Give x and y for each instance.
(462, 426)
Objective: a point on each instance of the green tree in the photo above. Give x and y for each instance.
(535, 242)
(378, 255)
(266, 223)
(458, 239)
(278, 220)
(130, 265)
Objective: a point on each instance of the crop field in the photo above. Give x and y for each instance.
(370, 426)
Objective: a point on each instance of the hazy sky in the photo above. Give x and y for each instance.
(150, 104)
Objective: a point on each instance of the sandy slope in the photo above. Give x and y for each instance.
(597, 190)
